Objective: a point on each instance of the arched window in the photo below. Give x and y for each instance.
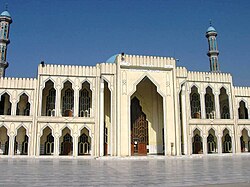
(67, 95)
(48, 99)
(211, 144)
(197, 142)
(85, 103)
(227, 142)
(5, 105)
(50, 102)
(49, 145)
(195, 103)
(84, 145)
(224, 104)
(68, 102)
(209, 104)
(242, 111)
(23, 106)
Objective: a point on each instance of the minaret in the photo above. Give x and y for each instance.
(5, 21)
(213, 52)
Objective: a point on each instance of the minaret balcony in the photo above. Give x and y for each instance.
(4, 40)
(213, 52)
(4, 64)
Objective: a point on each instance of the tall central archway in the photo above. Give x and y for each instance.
(146, 119)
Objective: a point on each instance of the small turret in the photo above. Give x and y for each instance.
(5, 21)
(213, 52)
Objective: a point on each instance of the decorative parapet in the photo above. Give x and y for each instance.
(242, 91)
(107, 68)
(17, 83)
(67, 70)
(146, 61)
(209, 77)
(181, 72)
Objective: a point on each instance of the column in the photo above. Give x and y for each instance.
(76, 102)
(204, 144)
(203, 111)
(13, 108)
(101, 117)
(56, 145)
(58, 101)
(217, 106)
(184, 119)
(75, 146)
(233, 142)
(219, 140)
(230, 106)
(11, 144)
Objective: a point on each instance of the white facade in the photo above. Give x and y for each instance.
(186, 112)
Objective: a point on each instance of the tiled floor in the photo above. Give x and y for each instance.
(174, 171)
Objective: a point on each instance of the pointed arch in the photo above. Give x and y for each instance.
(5, 104)
(226, 141)
(146, 75)
(242, 110)
(23, 106)
(197, 143)
(67, 99)
(48, 98)
(209, 103)
(212, 141)
(195, 104)
(224, 104)
(85, 100)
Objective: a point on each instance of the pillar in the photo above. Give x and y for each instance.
(101, 121)
(184, 119)
(58, 101)
(219, 140)
(204, 144)
(75, 146)
(202, 99)
(11, 144)
(217, 105)
(56, 145)
(76, 102)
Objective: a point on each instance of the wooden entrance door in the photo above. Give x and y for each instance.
(139, 129)
(67, 148)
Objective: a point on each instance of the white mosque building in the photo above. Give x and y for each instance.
(128, 105)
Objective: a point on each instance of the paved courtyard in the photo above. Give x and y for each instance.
(151, 171)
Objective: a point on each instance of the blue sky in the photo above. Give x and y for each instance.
(79, 32)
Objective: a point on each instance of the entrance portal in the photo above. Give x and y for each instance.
(139, 129)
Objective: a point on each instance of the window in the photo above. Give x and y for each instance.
(84, 102)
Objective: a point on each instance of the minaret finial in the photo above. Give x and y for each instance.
(6, 6)
(210, 22)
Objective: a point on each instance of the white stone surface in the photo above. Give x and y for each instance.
(134, 171)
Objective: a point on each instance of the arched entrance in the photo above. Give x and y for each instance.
(139, 129)
(66, 142)
(21, 142)
(4, 141)
(84, 144)
(244, 141)
(197, 142)
(226, 142)
(47, 142)
(211, 142)
(146, 120)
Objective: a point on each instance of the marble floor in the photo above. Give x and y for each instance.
(209, 171)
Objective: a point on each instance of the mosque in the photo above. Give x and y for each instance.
(130, 105)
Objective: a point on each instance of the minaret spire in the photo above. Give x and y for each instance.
(213, 52)
(5, 21)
